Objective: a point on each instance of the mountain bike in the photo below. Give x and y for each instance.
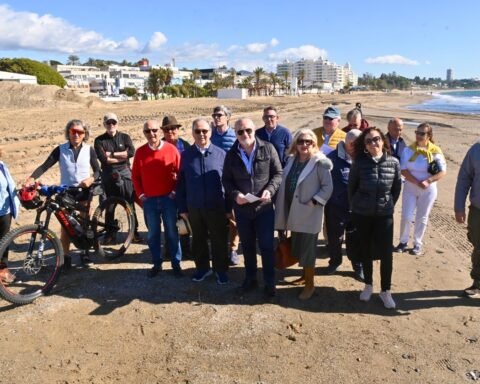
(34, 253)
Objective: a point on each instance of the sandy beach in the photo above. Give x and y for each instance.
(109, 323)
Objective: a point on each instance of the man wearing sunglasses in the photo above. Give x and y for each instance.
(201, 200)
(154, 174)
(114, 150)
(252, 174)
(76, 159)
(330, 135)
(274, 133)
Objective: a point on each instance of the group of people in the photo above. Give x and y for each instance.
(236, 183)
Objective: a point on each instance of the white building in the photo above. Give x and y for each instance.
(82, 76)
(319, 73)
(128, 77)
(18, 77)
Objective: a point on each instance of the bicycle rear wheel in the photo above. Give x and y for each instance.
(34, 260)
(113, 224)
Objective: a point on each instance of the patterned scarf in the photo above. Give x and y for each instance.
(428, 152)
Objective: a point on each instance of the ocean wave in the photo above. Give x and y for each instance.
(464, 102)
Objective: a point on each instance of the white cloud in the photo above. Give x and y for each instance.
(155, 42)
(308, 52)
(274, 42)
(256, 47)
(391, 59)
(31, 31)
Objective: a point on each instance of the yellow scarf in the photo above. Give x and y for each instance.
(428, 152)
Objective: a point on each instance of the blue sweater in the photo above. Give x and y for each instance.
(225, 140)
(340, 173)
(200, 181)
(281, 138)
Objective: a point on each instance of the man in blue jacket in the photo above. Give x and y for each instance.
(201, 200)
(274, 133)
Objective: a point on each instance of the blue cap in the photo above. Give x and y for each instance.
(332, 112)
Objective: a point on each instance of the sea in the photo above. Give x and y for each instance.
(463, 102)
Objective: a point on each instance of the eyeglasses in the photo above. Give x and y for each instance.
(375, 140)
(306, 142)
(78, 132)
(419, 133)
(268, 117)
(217, 115)
(248, 131)
(169, 129)
(200, 131)
(111, 122)
(328, 118)
(152, 130)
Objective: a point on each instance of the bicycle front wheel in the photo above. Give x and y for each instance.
(33, 259)
(113, 224)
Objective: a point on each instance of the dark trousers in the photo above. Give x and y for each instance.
(474, 237)
(375, 238)
(5, 222)
(209, 224)
(259, 228)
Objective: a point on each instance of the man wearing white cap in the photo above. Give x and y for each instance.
(114, 150)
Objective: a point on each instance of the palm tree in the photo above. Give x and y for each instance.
(301, 78)
(274, 81)
(285, 77)
(258, 72)
(232, 77)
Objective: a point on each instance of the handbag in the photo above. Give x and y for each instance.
(433, 167)
(283, 254)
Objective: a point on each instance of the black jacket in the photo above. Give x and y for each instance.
(374, 188)
(266, 175)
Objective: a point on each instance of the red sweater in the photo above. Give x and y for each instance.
(154, 173)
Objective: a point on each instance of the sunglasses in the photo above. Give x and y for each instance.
(218, 115)
(328, 118)
(152, 130)
(268, 117)
(418, 133)
(375, 139)
(111, 122)
(306, 142)
(248, 131)
(200, 131)
(169, 129)
(78, 132)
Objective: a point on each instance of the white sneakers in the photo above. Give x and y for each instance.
(366, 293)
(387, 299)
(386, 296)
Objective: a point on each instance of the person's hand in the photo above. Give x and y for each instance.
(240, 199)
(184, 215)
(424, 184)
(266, 196)
(172, 195)
(86, 183)
(108, 154)
(460, 217)
(28, 181)
(142, 197)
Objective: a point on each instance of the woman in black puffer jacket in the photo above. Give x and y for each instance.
(374, 186)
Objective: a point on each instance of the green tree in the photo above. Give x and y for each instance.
(73, 60)
(154, 82)
(46, 75)
(129, 91)
(274, 81)
(258, 73)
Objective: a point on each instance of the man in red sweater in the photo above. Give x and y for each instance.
(154, 174)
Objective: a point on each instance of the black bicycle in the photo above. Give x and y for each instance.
(35, 253)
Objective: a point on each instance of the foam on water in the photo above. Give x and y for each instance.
(464, 102)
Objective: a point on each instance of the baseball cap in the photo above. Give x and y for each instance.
(332, 112)
(110, 116)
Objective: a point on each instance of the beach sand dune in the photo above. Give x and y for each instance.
(110, 324)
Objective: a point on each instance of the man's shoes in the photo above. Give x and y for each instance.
(473, 291)
(270, 291)
(85, 260)
(416, 251)
(234, 258)
(387, 299)
(137, 239)
(248, 285)
(366, 293)
(67, 263)
(400, 248)
(332, 269)
(6, 276)
(177, 271)
(201, 274)
(222, 278)
(154, 271)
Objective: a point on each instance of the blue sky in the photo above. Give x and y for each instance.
(409, 37)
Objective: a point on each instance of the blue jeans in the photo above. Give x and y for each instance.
(250, 229)
(155, 210)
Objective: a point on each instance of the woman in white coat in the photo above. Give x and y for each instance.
(305, 189)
